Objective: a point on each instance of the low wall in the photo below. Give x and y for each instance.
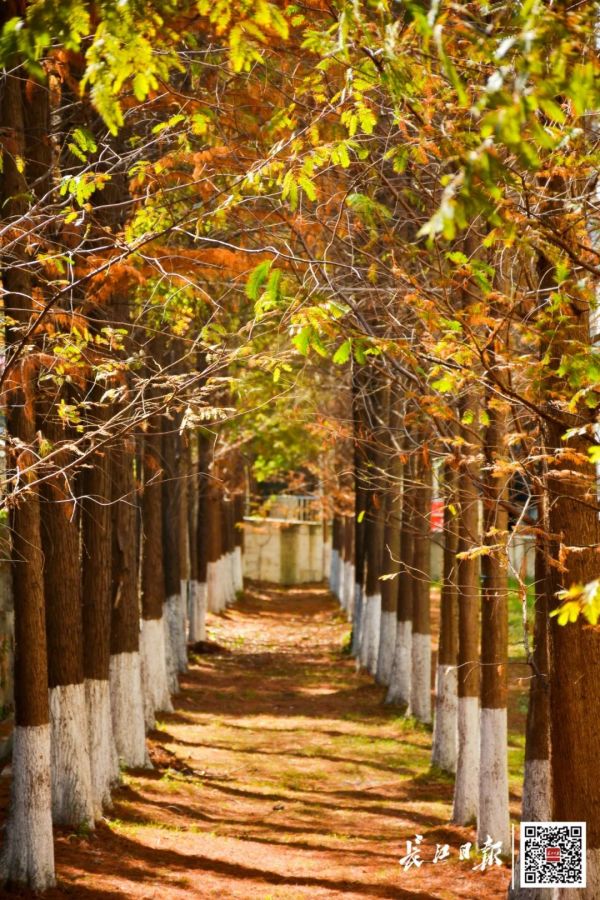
(284, 551)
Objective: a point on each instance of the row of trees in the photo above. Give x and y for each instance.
(356, 240)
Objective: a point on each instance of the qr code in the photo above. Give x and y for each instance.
(552, 854)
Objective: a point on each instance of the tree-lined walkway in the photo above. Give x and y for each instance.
(280, 775)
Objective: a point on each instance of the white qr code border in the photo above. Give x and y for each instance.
(528, 838)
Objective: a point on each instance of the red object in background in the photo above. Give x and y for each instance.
(437, 515)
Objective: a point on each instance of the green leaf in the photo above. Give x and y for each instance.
(301, 341)
(307, 186)
(257, 278)
(445, 384)
(342, 354)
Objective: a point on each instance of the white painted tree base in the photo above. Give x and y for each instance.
(350, 590)
(71, 778)
(127, 708)
(172, 625)
(444, 746)
(357, 620)
(387, 645)
(104, 762)
(334, 573)
(227, 579)
(493, 816)
(182, 654)
(343, 585)
(155, 685)
(420, 678)
(364, 623)
(28, 848)
(229, 566)
(369, 632)
(197, 611)
(399, 689)
(238, 570)
(214, 588)
(537, 797)
(466, 785)
(224, 581)
(374, 634)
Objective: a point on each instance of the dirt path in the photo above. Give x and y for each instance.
(280, 776)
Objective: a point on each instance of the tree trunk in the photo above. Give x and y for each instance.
(335, 560)
(443, 751)
(537, 794)
(226, 561)
(466, 788)
(28, 848)
(390, 567)
(372, 601)
(420, 681)
(353, 601)
(72, 797)
(97, 596)
(155, 682)
(215, 593)
(574, 648)
(171, 500)
(239, 542)
(493, 815)
(198, 621)
(126, 692)
(399, 689)
(183, 548)
(352, 592)
(537, 779)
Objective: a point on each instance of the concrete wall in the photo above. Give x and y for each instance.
(284, 551)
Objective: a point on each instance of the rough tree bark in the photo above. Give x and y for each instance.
(574, 648)
(238, 539)
(171, 500)
(466, 788)
(72, 797)
(420, 680)
(443, 751)
(399, 689)
(214, 585)
(28, 849)
(183, 547)
(390, 567)
(493, 814)
(126, 693)
(155, 681)
(335, 560)
(352, 590)
(96, 521)
(537, 794)
(200, 607)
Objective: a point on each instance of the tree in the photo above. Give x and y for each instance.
(28, 851)
(445, 739)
